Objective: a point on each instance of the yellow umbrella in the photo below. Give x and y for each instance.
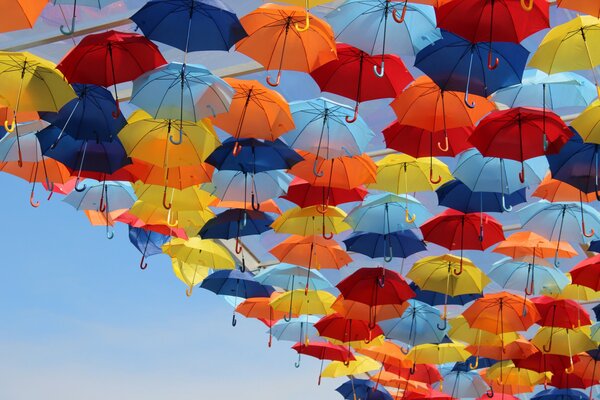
(572, 46)
(30, 83)
(190, 274)
(461, 331)
(198, 251)
(563, 341)
(313, 302)
(387, 353)
(152, 214)
(360, 365)
(576, 292)
(188, 199)
(306, 4)
(506, 373)
(360, 344)
(437, 353)
(401, 173)
(586, 124)
(310, 221)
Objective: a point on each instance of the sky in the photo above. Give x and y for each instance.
(80, 321)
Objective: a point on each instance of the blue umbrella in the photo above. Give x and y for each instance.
(562, 91)
(491, 174)
(368, 25)
(438, 299)
(395, 244)
(457, 195)
(465, 67)
(363, 389)
(190, 25)
(89, 116)
(147, 242)
(419, 324)
(594, 246)
(560, 394)
(325, 128)
(296, 329)
(386, 213)
(235, 283)
(290, 277)
(480, 362)
(88, 3)
(181, 92)
(254, 156)
(461, 385)
(577, 164)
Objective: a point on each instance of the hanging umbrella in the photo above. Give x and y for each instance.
(505, 372)
(554, 190)
(561, 312)
(465, 67)
(324, 128)
(393, 244)
(543, 362)
(363, 389)
(459, 384)
(571, 46)
(365, 312)
(339, 328)
(309, 221)
(66, 30)
(147, 242)
(132, 220)
(22, 14)
(418, 142)
(260, 309)
(527, 245)
(190, 25)
(304, 194)
(587, 273)
(274, 44)
(460, 330)
(291, 277)
(311, 251)
(189, 199)
(515, 350)
(350, 76)
(560, 394)
(460, 197)
(295, 330)
(313, 302)
(586, 7)
(563, 341)
(323, 351)
(359, 365)
(436, 299)
(456, 230)
(196, 251)
(440, 353)
(109, 58)
(180, 177)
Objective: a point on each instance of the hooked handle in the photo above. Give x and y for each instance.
(434, 181)
(354, 117)
(446, 145)
(277, 80)
(491, 66)
(402, 16)
(68, 31)
(527, 6)
(379, 70)
(306, 24)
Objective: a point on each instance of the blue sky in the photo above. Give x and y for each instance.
(80, 320)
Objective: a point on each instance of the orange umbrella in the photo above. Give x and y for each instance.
(424, 105)
(355, 310)
(519, 349)
(590, 7)
(20, 14)
(530, 245)
(275, 43)
(504, 387)
(180, 177)
(255, 112)
(386, 353)
(555, 190)
(339, 172)
(501, 312)
(260, 308)
(99, 218)
(309, 251)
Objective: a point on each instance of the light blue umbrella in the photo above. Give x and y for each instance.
(255, 188)
(491, 174)
(420, 323)
(563, 91)
(384, 213)
(87, 3)
(322, 128)
(290, 277)
(531, 278)
(184, 92)
(461, 385)
(296, 329)
(561, 220)
(372, 26)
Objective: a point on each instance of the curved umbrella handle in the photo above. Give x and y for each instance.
(306, 24)
(80, 189)
(316, 171)
(355, 116)
(490, 393)
(255, 206)
(504, 207)
(102, 206)
(166, 205)
(527, 6)
(467, 103)
(68, 31)
(115, 114)
(460, 270)
(412, 369)
(491, 66)
(170, 223)
(408, 218)
(474, 366)
(237, 147)
(233, 320)
(179, 140)
(404, 351)
(388, 257)
(189, 290)
(548, 347)
(434, 181)
(110, 235)
(322, 208)
(243, 265)
(583, 230)
(10, 128)
(571, 368)
(328, 236)
(347, 362)
(522, 174)
(238, 246)
(34, 204)
(444, 325)
(277, 81)
(402, 16)
(143, 265)
(446, 145)
(379, 70)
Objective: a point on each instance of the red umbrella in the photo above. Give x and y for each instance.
(587, 273)
(345, 330)
(109, 58)
(563, 313)
(456, 230)
(519, 134)
(573, 380)
(323, 351)
(587, 368)
(493, 20)
(304, 194)
(351, 76)
(542, 362)
(431, 394)
(418, 142)
(135, 222)
(425, 373)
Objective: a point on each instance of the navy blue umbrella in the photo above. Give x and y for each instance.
(190, 25)
(576, 164)
(475, 362)
(252, 156)
(396, 244)
(363, 389)
(560, 394)
(147, 242)
(457, 195)
(436, 299)
(465, 66)
(89, 116)
(235, 283)
(594, 246)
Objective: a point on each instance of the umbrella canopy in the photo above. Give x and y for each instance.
(360, 364)
(459, 384)
(313, 302)
(23, 14)
(310, 221)
(529, 277)
(290, 277)
(363, 389)
(310, 251)
(561, 312)
(304, 194)
(460, 197)
(418, 142)
(420, 323)
(147, 242)
(587, 273)
(394, 244)
(530, 245)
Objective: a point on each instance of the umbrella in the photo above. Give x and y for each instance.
(505, 372)
(147, 242)
(561, 312)
(323, 351)
(359, 365)
(190, 25)
(459, 384)
(304, 194)
(274, 44)
(290, 277)
(313, 302)
(520, 134)
(526, 245)
(310, 221)
(560, 394)
(542, 362)
(255, 112)
(456, 230)
(554, 190)
(418, 142)
(67, 31)
(563, 341)
(309, 251)
(323, 128)
(188, 199)
(516, 350)
(460, 330)
(460, 197)
(296, 329)
(587, 273)
(350, 76)
(339, 328)
(465, 67)
(441, 353)
(23, 14)
(260, 308)
(571, 46)
(393, 244)
(586, 7)
(435, 298)
(363, 389)
(201, 252)
(178, 177)
(109, 58)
